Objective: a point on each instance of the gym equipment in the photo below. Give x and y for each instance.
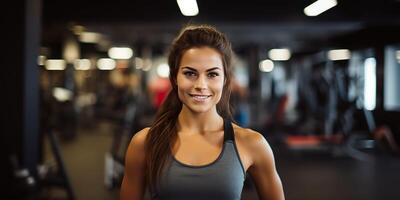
(58, 177)
(31, 185)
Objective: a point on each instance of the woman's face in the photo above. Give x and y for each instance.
(200, 79)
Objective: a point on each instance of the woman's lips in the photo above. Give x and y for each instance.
(199, 98)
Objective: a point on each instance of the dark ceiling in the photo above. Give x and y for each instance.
(268, 23)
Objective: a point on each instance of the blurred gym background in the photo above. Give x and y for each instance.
(319, 79)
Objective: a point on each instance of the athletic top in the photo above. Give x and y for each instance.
(221, 179)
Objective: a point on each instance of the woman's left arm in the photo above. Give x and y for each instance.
(263, 170)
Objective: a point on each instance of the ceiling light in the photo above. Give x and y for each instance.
(266, 65)
(120, 52)
(89, 37)
(279, 54)
(106, 64)
(188, 7)
(319, 7)
(82, 64)
(339, 54)
(55, 64)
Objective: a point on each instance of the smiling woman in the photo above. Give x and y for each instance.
(200, 79)
(193, 150)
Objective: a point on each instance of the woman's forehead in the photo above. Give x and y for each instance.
(202, 58)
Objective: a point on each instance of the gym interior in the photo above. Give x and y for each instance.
(320, 80)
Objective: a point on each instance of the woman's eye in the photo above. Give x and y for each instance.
(189, 74)
(213, 74)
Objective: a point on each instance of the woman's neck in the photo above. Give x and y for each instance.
(189, 121)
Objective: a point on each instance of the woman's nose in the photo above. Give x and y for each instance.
(201, 83)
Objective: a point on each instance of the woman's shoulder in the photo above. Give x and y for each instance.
(135, 154)
(139, 138)
(252, 146)
(247, 135)
(250, 139)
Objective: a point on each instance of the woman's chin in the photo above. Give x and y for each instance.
(199, 109)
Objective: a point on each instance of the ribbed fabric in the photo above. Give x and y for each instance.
(222, 179)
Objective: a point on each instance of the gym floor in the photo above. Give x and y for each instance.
(305, 175)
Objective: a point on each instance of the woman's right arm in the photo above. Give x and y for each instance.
(134, 183)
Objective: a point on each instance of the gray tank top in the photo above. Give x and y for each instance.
(222, 179)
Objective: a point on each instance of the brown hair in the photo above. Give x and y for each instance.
(163, 131)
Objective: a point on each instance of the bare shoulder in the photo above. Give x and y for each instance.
(140, 136)
(138, 140)
(259, 162)
(249, 137)
(253, 146)
(135, 154)
(133, 183)
(136, 149)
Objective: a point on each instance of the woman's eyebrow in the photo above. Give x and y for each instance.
(214, 68)
(211, 69)
(189, 68)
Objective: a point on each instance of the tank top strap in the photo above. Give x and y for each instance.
(228, 131)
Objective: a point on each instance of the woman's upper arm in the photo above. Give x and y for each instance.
(134, 184)
(263, 170)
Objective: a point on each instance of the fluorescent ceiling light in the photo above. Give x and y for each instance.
(279, 54)
(55, 64)
(188, 7)
(89, 37)
(398, 55)
(120, 52)
(266, 65)
(82, 64)
(339, 54)
(319, 7)
(106, 64)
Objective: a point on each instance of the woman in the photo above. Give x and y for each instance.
(193, 150)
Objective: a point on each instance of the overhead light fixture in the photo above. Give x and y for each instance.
(339, 54)
(266, 65)
(279, 54)
(90, 37)
(82, 64)
(188, 7)
(120, 52)
(319, 7)
(55, 64)
(398, 56)
(106, 64)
